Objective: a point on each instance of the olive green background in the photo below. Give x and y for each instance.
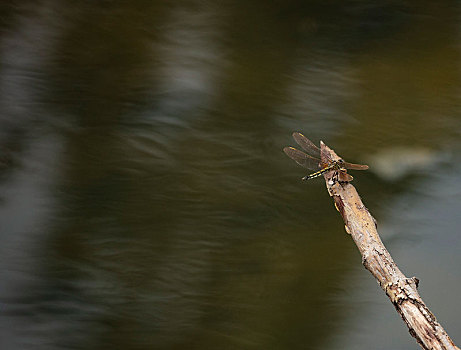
(146, 203)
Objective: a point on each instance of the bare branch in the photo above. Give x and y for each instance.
(401, 290)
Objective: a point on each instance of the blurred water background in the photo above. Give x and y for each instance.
(146, 203)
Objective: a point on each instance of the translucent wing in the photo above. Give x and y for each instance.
(355, 166)
(302, 158)
(306, 144)
(343, 176)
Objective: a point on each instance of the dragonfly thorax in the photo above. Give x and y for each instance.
(339, 164)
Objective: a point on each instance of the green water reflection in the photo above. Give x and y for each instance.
(146, 202)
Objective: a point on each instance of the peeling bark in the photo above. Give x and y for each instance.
(402, 291)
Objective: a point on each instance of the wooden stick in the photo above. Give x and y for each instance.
(402, 291)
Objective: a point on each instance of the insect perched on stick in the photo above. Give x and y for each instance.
(323, 163)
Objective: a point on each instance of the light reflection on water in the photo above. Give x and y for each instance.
(145, 198)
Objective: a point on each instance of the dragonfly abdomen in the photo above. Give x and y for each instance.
(318, 173)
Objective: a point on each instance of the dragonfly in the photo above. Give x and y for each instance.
(322, 164)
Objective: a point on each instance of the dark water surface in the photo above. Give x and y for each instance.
(146, 203)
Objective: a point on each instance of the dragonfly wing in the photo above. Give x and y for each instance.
(343, 176)
(306, 144)
(355, 166)
(302, 158)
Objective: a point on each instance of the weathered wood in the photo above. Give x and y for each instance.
(401, 290)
